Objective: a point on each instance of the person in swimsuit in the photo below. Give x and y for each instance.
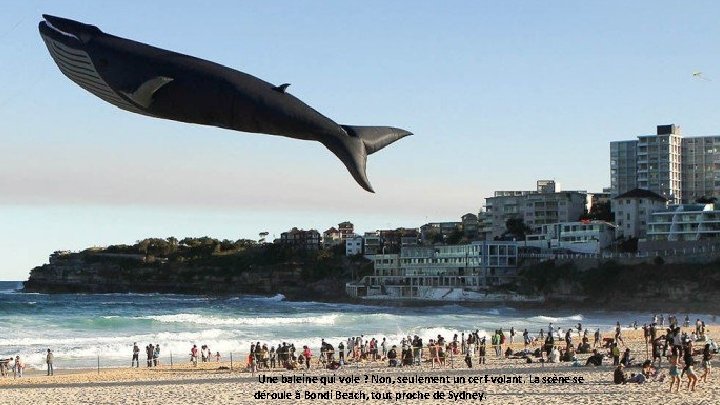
(674, 372)
(707, 356)
(689, 370)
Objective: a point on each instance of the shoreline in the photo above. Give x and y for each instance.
(182, 383)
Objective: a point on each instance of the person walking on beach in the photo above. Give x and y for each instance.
(707, 356)
(568, 339)
(136, 355)
(674, 373)
(383, 346)
(618, 334)
(49, 360)
(689, 370)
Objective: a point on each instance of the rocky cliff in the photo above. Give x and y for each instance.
(650, 285)
(300, 277)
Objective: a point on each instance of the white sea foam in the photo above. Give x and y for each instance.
(256, 321)
(548, 319)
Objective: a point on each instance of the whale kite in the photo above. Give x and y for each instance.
(159, 83)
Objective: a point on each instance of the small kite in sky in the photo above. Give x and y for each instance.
(700, 76)
(139, 78)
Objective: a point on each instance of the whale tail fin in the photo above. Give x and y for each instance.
(352, 149)
(375, 138)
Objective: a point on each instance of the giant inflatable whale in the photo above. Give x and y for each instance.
(146, 80)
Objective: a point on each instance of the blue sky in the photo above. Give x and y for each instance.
(497, 93)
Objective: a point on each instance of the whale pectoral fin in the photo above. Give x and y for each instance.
(144, 93)
(281, 88)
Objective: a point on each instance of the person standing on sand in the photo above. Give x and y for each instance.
(707, 356)
(307, 354)
(136, 355)
(49, 360)
(18, 367)
(150, 351)
(674, 372)
(193, 355)
(156, 355)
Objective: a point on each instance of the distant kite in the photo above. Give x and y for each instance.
(700, 75)
(142, 79)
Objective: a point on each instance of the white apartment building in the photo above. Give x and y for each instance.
(679, 169)
(632, 212)
(353, 245)
(701, 167)
(577, 237)
(685, 222)
(426, 271)
(536, 208)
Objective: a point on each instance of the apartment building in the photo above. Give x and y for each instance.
(677, 168)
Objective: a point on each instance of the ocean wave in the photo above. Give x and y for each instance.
(548, 319)
(274, 298)
(255, 321)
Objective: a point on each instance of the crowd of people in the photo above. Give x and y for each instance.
(152, 351)
(205, 355)
(17, 365)
(557, 345)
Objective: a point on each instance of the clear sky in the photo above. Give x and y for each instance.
(498, 94)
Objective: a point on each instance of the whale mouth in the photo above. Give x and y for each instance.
(58, 30)
(63, 39)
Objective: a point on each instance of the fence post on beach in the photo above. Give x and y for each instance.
(98, 363)
(171, 360)
(231, 365)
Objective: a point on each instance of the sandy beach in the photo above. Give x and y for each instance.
(499, 381)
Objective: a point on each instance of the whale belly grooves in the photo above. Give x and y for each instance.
(78, 67)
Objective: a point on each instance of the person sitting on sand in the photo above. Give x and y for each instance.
(626, 359)
(554, 355)
(407, 357)
(392, 357)
(619, 376)
(595, 360)
(636, 378)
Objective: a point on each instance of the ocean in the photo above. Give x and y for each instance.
(84, 328)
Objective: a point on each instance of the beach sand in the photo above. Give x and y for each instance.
(207, 384)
